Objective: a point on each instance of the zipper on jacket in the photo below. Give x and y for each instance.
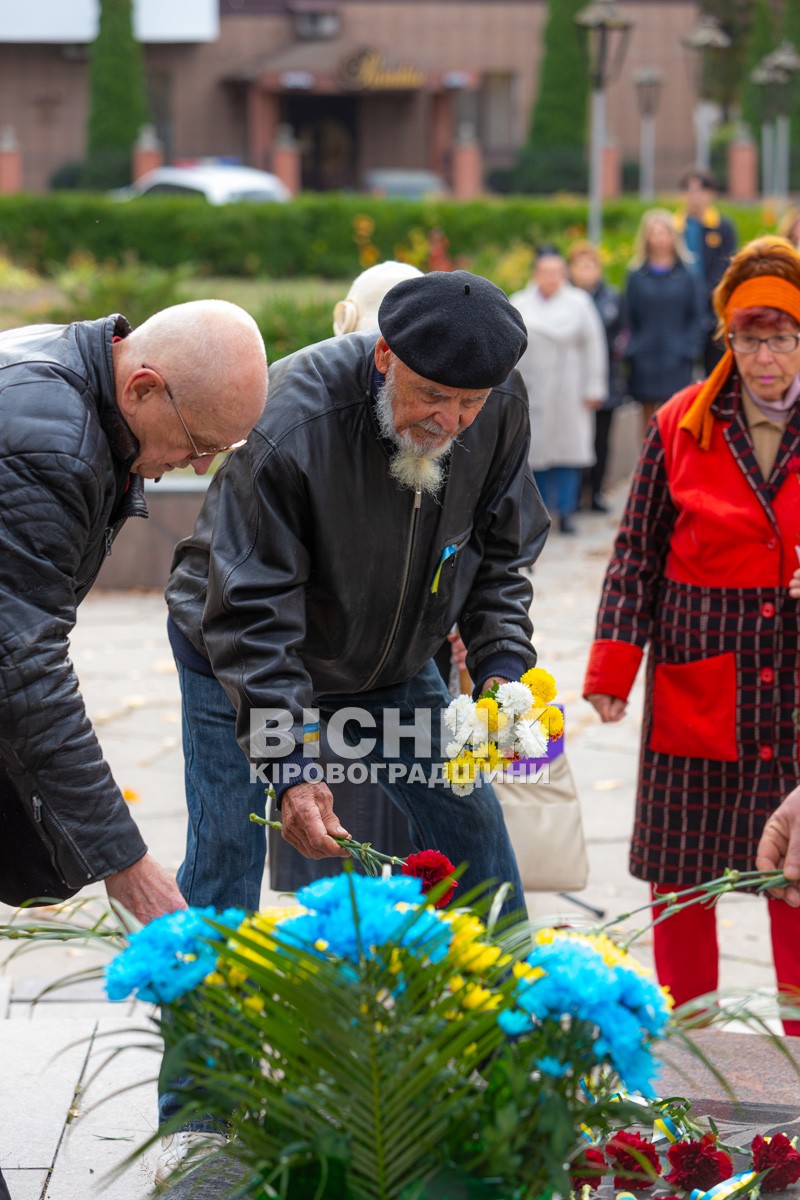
(412, 529)
(38, 815)
(108, 541)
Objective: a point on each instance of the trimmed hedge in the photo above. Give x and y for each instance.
(332, 235)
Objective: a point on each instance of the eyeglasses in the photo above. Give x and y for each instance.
(195, 452)
(778, 343)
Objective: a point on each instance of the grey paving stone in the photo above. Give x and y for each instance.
(43, 1065)
(115, 1115)
(25, 1185)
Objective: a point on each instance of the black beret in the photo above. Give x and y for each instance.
(453, 327)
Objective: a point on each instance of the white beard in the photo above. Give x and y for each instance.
(415, 465)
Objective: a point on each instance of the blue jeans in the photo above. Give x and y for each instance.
(560, 489)
(225, 852)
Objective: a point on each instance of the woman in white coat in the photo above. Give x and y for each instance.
(565, 370)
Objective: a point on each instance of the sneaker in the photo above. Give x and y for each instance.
(185, 1148)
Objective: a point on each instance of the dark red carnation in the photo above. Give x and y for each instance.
(632, 1173)
(698, 1164)
(431, 867)
(587, 1169)
(778, 1157)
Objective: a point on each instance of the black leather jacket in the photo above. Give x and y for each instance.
(310, 571)
(65, 491)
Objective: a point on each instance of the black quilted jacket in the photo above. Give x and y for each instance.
(65, 491)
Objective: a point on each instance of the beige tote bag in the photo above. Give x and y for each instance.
(544, 824)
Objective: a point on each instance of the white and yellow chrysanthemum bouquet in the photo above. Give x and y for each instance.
(508, 723)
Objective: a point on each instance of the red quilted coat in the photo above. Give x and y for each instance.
(699, 573)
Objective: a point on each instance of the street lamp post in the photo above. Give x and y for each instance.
(772, 83)
(706, 35)
(784, 63)
(648, 87)
(607, 33)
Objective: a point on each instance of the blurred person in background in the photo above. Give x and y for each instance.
(701, 571)
(586, 272)
(662, 313)
(711, 240)
(565, 372)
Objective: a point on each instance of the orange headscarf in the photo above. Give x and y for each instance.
(762, 291)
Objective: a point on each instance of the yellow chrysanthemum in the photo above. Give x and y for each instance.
(475, 998)
(467, 952)
(542, 685)
(601, 943)
(552, 722)
(489, 706)
(523, 970)
(461, 770)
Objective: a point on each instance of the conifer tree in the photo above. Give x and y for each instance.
(117, 97)
(559, 115)
(554, 155)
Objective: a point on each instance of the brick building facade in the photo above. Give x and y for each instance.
(361, 83)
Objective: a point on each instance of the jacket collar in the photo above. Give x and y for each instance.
(711, 219)
(94, 340)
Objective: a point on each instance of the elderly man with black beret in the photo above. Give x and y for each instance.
(383, 496)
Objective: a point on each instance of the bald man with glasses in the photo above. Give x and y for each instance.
(88, 411)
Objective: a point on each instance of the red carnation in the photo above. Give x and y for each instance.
(634, 1175)
(698, 1164)
(794, 463)
(431, 867)
(778, 1157)
(587, 1169)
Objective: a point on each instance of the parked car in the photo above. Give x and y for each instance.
(217, 183)
(402, 182)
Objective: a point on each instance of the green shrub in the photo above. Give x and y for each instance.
(287, 325)
(91, 289)
(326, 236)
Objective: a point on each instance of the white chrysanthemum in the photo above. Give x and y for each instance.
(514, 698)
(531, 739)
(453, 749)
(459, 716)
(462, 789)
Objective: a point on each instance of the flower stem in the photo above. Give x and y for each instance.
(363, 852)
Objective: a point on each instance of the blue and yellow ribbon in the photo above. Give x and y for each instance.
(448, 552)
(727, 1188)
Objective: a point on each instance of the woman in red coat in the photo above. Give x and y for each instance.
(700, 572)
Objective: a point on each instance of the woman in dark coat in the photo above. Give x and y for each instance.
(662, 313)
(586, 272)
(701, 573)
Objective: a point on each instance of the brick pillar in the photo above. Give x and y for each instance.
(742, 168)
(612, 171)
(467, 164)
(148, 152)
(262, 126)
(286, 158)
(10, 162)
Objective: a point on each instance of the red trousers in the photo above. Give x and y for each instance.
(687, 956)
